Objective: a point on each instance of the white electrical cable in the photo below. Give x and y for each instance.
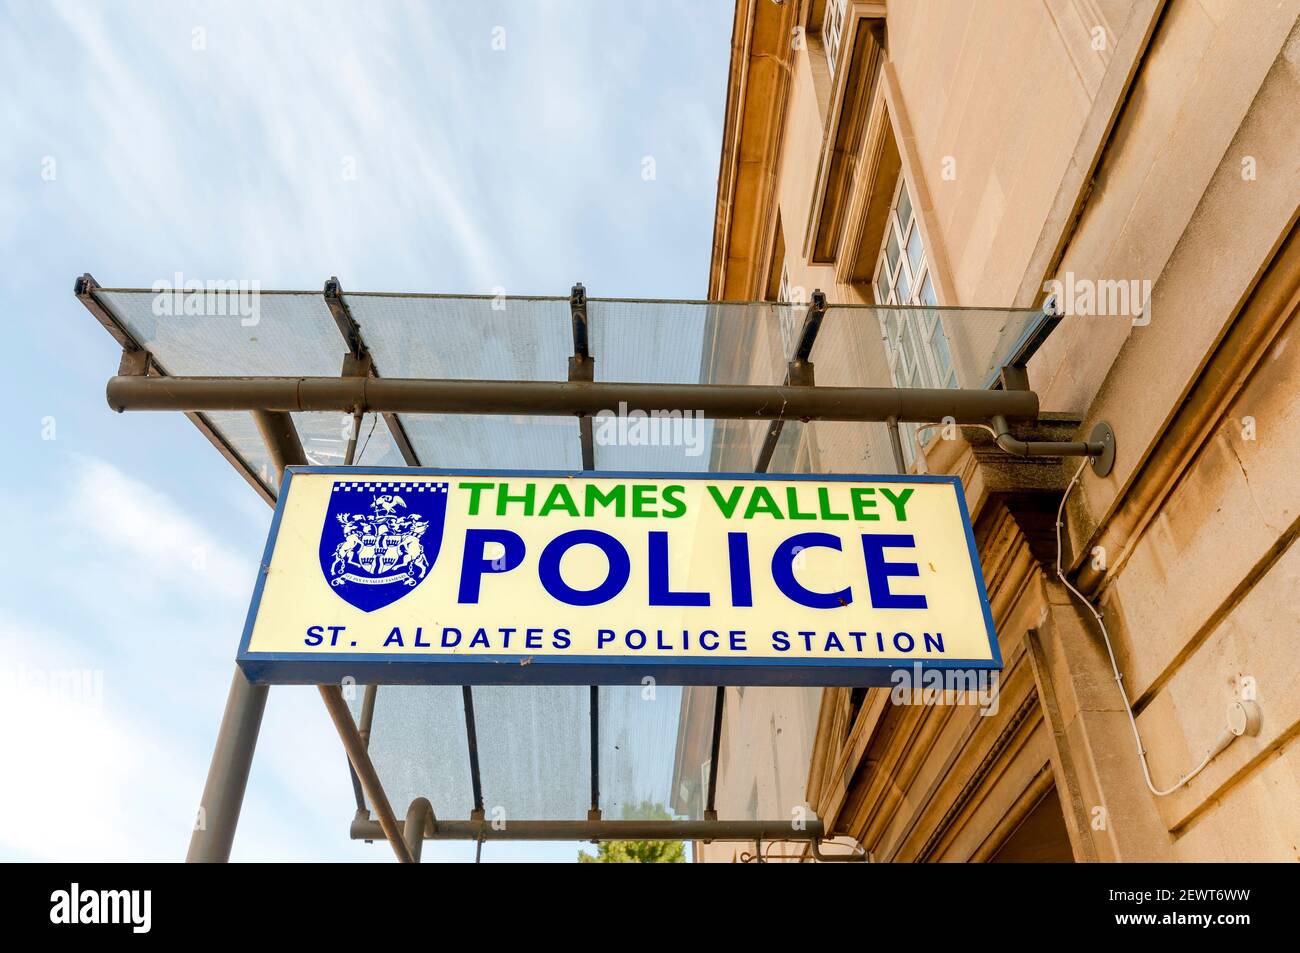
(1101, 624)
(920, 450)
(1114, 666)
(949, 423)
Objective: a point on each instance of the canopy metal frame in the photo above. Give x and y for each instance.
(142, 383)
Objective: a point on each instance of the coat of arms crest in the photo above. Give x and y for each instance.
(380, 539)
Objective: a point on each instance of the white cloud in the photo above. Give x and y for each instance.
(95, 775)
(84, 780)
(475, 168)
(115, 699)
(114, 513)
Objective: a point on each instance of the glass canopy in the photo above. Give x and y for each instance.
(534, 744)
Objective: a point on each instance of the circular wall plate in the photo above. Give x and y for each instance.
(1102, 434)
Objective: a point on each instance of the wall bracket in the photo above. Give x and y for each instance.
(1100, 446)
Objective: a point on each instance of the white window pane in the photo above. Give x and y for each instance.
(904, 289)
(909, 350)
(914, 250)
(904, 207)
(939, 348)
(891, 248)
(927, 292)
(832, 27)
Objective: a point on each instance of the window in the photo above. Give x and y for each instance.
(791, 318)
(915, 342)
(832, 30)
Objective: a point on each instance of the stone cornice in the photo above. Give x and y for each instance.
(757, 91)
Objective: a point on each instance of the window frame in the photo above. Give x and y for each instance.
(788, 318)
(832, 32)
(913, 340)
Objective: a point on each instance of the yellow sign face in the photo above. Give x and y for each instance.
(433, 577)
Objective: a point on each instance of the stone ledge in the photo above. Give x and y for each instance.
(1028, 488)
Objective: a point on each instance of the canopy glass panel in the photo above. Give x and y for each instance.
(534, 745)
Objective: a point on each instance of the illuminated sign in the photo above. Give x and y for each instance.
(410, 576)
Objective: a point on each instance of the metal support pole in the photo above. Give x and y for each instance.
(86, 288)
(719, 701)
(565, 398)
(358, 362)
(570, 830)
(232, 757)
(367, 717)
(281, 439)
(578, 313)
(766, 451)
(350, 455)
(358, 795)
(582, 368)
(586, 435)
(419, 819)
(471, 740)
(363, 362)
(360, 758)
(367, 713)
(1101, 448)
(858, 856)
(798, 373)
(357, 359)
(593, 814)
(812, 323)
(342, 315)
(223, 794)
(896, 444)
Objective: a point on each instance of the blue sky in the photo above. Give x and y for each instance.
(143, 139)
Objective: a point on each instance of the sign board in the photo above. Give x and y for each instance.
(413, 576)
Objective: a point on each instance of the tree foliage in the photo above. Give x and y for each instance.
(638, 851)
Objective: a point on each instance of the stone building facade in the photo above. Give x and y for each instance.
(1139, 160)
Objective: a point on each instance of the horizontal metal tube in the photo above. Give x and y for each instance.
(363, 829)
(1048, 448)
(562, 398)
(1044, 448)
(858, 856)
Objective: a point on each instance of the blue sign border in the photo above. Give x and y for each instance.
(307, 668)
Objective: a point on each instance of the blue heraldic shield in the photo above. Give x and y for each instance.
(380, 539)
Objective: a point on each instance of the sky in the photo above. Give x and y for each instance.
(433, 147)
